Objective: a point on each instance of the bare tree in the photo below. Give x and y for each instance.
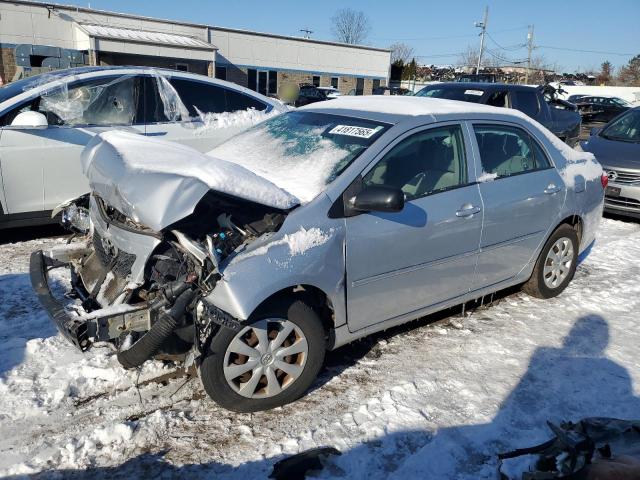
(630, 73)
(350, 26)
(468, 58)
(400, 52)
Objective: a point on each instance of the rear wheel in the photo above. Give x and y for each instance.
(556, 264)
(269, 363)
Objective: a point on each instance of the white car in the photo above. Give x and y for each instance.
(46, 120)
(330, 92)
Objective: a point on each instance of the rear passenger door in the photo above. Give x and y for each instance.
(522, 195)
(194, 113)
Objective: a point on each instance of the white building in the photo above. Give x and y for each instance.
(37, 37)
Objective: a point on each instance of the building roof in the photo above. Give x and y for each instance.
(145, 36)
(74, 8)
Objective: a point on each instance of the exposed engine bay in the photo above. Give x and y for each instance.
(149, 303)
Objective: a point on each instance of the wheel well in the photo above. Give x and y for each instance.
(313, 296)
(574, 221)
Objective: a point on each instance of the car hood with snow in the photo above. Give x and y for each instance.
(156, 183)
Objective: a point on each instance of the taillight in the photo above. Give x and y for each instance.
(604, 179)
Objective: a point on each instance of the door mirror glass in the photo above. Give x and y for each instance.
(30, 120)
(379, 198)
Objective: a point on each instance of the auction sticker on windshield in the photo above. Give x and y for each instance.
(353, 131)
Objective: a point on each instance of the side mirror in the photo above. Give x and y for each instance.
(594, 131)
(378, 198)
(30, 120)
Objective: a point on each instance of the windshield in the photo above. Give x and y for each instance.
(463, 94)
(301, 152)
(626, 128)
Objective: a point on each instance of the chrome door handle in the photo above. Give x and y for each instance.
(551, 189)
(467, 210)
(155, 134)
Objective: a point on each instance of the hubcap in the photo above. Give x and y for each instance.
(265, 358)
(558, 262)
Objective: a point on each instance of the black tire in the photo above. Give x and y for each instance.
(536, 286)
(211, 369)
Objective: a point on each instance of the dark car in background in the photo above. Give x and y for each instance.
(601, 108)
(311, 94)
(559, 116)
(617, 148)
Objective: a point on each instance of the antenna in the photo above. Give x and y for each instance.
(307, 32)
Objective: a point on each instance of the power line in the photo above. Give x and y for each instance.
(585, 51)
(511, 48)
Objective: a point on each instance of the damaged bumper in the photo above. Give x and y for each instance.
(81, 330)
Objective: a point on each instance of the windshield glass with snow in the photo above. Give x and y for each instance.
(301, 152)
(463, 94)
(625, 128)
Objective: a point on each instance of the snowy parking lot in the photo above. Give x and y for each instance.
(437, 398)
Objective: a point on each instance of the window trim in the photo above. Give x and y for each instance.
(467, 147)
(498, 123)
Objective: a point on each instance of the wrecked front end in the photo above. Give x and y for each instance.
(142, 290)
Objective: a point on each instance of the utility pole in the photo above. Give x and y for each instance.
(307, 32)
(483, 26)
(530, 48)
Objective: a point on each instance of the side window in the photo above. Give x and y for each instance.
(8, 117)
(498, 99)
(506, 151)
(101, 102)
(426, 162)
(239, 101)
(200, 96)
(527, 102)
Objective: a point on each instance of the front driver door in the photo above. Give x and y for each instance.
(401, 262)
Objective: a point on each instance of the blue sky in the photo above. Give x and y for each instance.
(436, 30)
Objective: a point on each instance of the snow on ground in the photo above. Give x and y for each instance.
(428, 400)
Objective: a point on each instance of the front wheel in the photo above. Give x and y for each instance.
(556, 264)
(269, 363)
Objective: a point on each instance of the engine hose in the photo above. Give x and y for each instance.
(150, 342)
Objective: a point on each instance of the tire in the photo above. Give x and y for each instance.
(240, 393)
(550, 282)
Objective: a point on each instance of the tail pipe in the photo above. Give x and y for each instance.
(145, 347)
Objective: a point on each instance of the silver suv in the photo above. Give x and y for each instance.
(313, 229)
(45, 122)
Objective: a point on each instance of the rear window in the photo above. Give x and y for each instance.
(463, 94)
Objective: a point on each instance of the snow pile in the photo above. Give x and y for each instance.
(241, 119)
(494, 379)
(156, 182)
(297, 243)
(487, 177)
(303, 172)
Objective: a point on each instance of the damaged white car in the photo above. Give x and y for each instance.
(46, 120)
(312, 229)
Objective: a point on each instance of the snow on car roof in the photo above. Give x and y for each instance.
(405, 106)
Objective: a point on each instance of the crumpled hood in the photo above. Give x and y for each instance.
(157, 183)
